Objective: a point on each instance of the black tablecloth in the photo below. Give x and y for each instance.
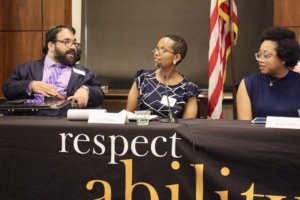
(53, 158)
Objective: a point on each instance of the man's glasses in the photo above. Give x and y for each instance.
(161, 50)
(263, 56)
(69, 43)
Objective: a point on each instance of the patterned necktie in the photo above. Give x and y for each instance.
(56, 70)
(52, 79)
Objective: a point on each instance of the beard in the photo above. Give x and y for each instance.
(62, 57)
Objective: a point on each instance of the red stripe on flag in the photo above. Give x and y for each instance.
(215, 95)
(218, 58)
(213, 18)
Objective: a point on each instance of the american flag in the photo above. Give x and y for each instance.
(219, 50)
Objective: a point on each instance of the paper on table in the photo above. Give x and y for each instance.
(283, 122)
(81, 114)
(108, 118)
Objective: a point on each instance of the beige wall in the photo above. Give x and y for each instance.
(76, 17)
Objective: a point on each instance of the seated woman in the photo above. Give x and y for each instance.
(148, 91)
(275, 91)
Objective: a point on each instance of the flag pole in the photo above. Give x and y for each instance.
(232, 61)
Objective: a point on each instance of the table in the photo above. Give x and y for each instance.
(53, 158)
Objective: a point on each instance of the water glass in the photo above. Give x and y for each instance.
(142, 117)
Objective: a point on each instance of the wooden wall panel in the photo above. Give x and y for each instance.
(297, 31)
(20, 14)
(2, 56)
(68, 12)
(20, 47)
(56, 12)
(287, 13)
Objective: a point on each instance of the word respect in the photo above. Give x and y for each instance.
(119, 145)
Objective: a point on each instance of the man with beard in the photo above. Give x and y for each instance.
(56, 74)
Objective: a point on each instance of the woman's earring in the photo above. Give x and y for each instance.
(174, 62)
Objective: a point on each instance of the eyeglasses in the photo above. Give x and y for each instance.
(161, 50)
(69, 43)
(263, 56)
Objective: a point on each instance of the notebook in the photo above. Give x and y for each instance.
(21, 105)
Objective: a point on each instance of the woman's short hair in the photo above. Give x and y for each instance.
(288, 49)
(52, 33)
(180, 46)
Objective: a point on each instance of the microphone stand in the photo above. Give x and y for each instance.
(170, 119)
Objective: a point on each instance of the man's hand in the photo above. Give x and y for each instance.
(44, 89)
(81, 97)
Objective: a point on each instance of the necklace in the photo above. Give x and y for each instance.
(171, 77)
(271, 83)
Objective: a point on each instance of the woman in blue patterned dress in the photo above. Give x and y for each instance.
(148, 91)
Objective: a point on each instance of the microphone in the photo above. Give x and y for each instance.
(171, 119)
